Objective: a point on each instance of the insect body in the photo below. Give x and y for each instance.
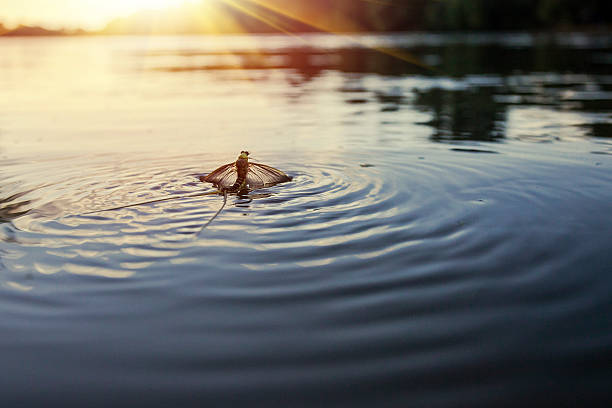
(242, 175)
(242, 168)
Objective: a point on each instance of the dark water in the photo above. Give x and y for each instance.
(445, 240)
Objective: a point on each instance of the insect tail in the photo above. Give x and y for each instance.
(214, 216)
(151, 202)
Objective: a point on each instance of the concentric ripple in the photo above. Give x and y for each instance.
(378, 263)
(445, 240)
(335, 213)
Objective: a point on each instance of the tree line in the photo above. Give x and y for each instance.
(409, 15)
(263, 16)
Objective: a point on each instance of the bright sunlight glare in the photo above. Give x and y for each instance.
(135, 5)
(89, 14)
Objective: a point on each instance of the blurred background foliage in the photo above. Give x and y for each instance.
(514, 14)
(402, 15)
(268, 16)
(370, 16)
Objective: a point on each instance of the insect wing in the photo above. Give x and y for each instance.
(224, 176)
(260, 175)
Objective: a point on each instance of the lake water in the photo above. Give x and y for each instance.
(446, 239)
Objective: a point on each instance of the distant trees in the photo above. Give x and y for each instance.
(366, 16)
(514, 14)
(402, 15)
(32, 31)
(231, 16)
(408, 15)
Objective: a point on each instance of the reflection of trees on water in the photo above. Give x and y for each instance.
(463, 115)
(493, 74)
(452, 59)
(455, 60)
(11, 208)
(601, 130)
(308, 61)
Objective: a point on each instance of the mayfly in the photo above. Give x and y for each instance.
(238, 177)
(242, 176)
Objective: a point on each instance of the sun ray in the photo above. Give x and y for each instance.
(386, 3)
(235, 4)
(346, 26)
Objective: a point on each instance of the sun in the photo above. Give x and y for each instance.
(129, 6)
(89, 14)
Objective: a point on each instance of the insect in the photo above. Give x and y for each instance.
(238, 177)
(242, 176)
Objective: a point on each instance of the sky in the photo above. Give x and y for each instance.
(88, 14)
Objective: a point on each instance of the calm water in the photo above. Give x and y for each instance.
(445, 241)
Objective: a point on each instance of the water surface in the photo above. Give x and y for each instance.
(445, 240)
